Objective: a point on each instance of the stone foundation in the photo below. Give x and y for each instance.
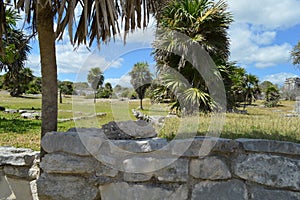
(87, 166)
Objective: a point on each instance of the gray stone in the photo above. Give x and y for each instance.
(129, 130)
(68, 164)
(68, 142)
(211, 168)
(17, 156)
(174, 172)
(105, 170)
(136, 177)
(275, 171)
(11, 111)
(141, 146)
(20, 172)
(31, 115)
(201, 146)
(5, 190)
(229, 190)
(270, 146)
(259, 193)
(21, 188)
(52, 187)
(124, 191)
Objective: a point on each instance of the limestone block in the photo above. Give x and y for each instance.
(124, 191)
(68, 164)
(105, 170)
(270, 146)
(17, 156)
(136, 177)
(259, 193)
(275, 171)
(21, 188)
(5, 190)
(174, 172)
(201, 146)
(211, 168)
(54, 187)
(229, 190)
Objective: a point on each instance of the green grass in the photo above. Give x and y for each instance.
(260, 122)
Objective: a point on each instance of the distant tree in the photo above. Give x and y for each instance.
(17, 83)
(95, 79)
(66, 88)
(106, 91)
(35, 86)
(296, 54)
(272, 96)
(81, 85)
(118, 88)
(141, 79)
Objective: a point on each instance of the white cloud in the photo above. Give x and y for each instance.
(124, 81)
(270, 14)
(278, 78)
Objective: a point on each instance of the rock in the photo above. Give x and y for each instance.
(21, 188)
(125, 191)
(68, 142)
(5, 191)
(51, 187)
(274, 171)
(11, 111)
(137, 177)
(270, 146)
(174, 172)
(211, 168)
(259, 193)
(17, 156)
(129, 130)
(68, 164)
(229, 190)
(2, 108)
(31, 115)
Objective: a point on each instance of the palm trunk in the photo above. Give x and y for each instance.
(49, 68)
(141, 104)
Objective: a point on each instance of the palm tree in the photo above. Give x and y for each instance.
(206, 23)
(96, 79)
(98, 21)
(141, 79)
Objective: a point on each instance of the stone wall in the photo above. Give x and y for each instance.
(18, 173)
(85, 165)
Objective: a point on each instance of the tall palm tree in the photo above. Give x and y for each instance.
(204, 22)
(141, 79)
(96, 79)
(296, 54)
(98, 21)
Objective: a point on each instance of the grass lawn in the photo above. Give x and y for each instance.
(260, 122)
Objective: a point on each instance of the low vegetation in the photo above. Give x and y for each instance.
(260, 122)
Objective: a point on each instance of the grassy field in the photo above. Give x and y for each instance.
(260, 122)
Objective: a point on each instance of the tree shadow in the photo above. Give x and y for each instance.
(18, 125)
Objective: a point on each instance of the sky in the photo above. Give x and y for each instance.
(262, 36)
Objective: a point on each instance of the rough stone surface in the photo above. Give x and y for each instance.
(230, 190)
(129, 130)
(52, 187)
(174, 172)
(68, 164)
(202, 146)
(5, 190)
(141, 146)
(68, 142)
(21, 189)
(259, 193)
(276, 171)
(17, 157)
(212, 168)
(105, 170)
(135, 177)
(270, 146)
(124, 191)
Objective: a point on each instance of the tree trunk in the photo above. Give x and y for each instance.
(141, 104)
(46, 37)
(60, 96)
(95, 93)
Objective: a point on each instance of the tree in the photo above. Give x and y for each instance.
(106, 91)
(206, 23)
(95, 79)
(141, 79)
(98, 20)
(272, 96)
(18, 83)
(296, 54)
(65, 87)
(35, 86)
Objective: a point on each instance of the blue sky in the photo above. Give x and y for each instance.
(262, 36)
